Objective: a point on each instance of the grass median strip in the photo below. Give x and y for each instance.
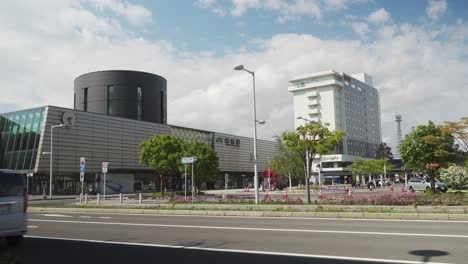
(259, 208)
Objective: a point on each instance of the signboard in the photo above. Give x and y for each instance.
(331, 177)
(188, 160)
(105, 165)
(326, 158)
(81, 176)
(82, 164)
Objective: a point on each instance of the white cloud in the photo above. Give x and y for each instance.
(211, 4)
(436, 9)
(335, 4)
(288, 10)
(135, 14)
(379, 16)
(421, 75)
(360, 28)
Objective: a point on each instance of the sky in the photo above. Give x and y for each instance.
(416, 51)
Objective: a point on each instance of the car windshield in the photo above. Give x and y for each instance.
(11, 184)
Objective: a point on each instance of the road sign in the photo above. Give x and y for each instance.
(82, 164)
(105, 165)
(188, 160)
(81, 176)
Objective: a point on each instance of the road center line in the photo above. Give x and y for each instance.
(57, 215)
(239, 251)
(255, 229)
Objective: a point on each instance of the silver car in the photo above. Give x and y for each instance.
(423, 184)
(13, 206)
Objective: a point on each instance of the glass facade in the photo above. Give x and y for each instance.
(20, 133)
(140, 103)
(110, 99)
(190, 135)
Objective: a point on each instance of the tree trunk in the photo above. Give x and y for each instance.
(162, 187)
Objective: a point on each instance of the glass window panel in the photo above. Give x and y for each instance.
(110, 97)
(2, 123)
(20, 160)
(140, 102)
(32, 159)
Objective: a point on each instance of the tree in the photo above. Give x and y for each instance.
(359, 167)
(206, 166)
(459, 130)
(369, 167)
(312, 138)
(455, 176)
(426, 149)
(162, 153)
(384, 152)
(286, 162)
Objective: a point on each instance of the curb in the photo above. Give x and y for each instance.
(396, 216)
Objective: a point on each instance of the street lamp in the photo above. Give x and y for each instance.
(307, 152)
(255, 121)
(50, 168)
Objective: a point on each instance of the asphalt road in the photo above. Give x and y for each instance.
(120, 238)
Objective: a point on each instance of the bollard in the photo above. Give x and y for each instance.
(81, 198)
(86, 198)
(120, 197)
(349, 193)
(98, 201)
(139, 198)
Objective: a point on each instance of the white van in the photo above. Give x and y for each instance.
(13, 206)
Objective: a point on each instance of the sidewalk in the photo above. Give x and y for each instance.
(54, 197)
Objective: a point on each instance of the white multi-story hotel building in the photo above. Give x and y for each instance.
(347, 103)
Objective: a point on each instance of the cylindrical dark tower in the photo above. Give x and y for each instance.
(128, 94)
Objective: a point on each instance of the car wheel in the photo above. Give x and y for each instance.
(427, 189)
(411, 189)
(14, 241)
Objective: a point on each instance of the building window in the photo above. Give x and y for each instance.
(85, 99)
(140, 102)
(161, 104)
(110, 96)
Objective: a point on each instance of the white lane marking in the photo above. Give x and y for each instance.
(85, 216)
(57, 215)
(105, 217)
(239, 251)
(33, 227)
(255, 229)
(277, 217)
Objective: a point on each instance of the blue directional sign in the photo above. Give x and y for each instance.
(82, 164)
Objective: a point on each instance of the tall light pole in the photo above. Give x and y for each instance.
(241, 68)
(51, 148)
(307, 152)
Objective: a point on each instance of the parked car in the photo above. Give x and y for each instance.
(423, 184)
(13, 206)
